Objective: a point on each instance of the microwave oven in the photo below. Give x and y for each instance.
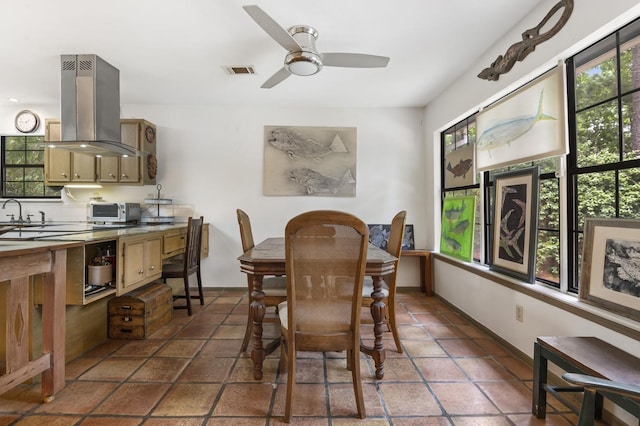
(114, 212)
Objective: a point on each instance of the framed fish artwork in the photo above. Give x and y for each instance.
(610, 270)
(459, 167)
(526, 125)
(515, 223)
(456, 234)
(379, 236)
(310, 161)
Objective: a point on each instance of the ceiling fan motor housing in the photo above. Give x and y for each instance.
(306, 61)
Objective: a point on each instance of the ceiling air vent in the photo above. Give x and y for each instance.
(239, 69)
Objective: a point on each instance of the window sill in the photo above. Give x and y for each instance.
(567, 302)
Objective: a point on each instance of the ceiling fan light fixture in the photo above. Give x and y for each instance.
(303, 63)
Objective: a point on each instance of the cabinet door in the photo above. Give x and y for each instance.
(153, 257)
(108, 169)
(133, 264)
(130, 166)
(57, 166)
(84, 168)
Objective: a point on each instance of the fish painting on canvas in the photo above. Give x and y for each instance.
(315, 182)
(528, 124)
(507, 131)
(297, 146)
(310, 160)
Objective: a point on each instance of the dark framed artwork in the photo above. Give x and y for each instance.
(610, 270)
(458, 220)
(515, 223)
(379, 236)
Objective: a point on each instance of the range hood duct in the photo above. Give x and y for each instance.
(90, 108)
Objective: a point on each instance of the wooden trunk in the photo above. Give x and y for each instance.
(139, 313)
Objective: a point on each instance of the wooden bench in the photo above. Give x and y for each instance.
(425, 268)
(584, 355)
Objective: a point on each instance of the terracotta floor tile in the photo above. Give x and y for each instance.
(423, 348)
(516, 367)
(309, 399)
(492, 347)
(421, 421)
(134, 399)
(246, 400)
(440, 370)
(139, 348)
(509, 397)
(480, 421)
(207, 369)
(174, 421)
(188, 399)
(78, 398)
(21, 399)
(461, 347)
(229, 332)
(197, 330)
(236, 421)
(181, 348)
(462, 398)
(79, 365)
(110, 421)
(550, 420)
(342, 400)
(160, 370)
(115, 369)
(221, 348)
(404, 399)
(48, 420)
(400, 370)
(440, 331)
(484, 369)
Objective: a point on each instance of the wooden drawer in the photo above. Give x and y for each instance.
(173, 242)
(140, 313)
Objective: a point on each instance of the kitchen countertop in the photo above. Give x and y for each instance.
(12, 248)
(77, 231)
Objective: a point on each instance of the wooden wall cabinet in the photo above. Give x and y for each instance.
(141, 135)
(139, 261)
(62, 166)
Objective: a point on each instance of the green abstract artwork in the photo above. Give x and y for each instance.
(458, 218)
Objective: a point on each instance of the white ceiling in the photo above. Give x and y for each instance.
(174, 51)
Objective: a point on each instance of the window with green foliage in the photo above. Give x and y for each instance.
(23, 168)
(604, 163)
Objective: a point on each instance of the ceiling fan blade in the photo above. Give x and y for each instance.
(354, 60)
(272, 28)
(277, 78)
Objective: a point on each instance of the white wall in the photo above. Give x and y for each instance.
(211, 159)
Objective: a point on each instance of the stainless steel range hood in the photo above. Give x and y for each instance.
(90, 108)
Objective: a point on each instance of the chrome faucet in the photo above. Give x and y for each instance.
(19, 207)
(41, 216)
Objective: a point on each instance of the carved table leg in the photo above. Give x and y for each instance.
(257, 310)
(377, 313)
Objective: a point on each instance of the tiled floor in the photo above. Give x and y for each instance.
(190, 372)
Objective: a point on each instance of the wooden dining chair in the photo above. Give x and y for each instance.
(274, 288)
(189, 265)
(591, 386)
(394, 248)
(326, 255)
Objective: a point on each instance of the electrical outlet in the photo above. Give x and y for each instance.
(519, 313)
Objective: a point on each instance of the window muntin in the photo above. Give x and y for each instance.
(23, 168)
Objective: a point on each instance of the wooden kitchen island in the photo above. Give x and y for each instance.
(83, 319)
(19, 260)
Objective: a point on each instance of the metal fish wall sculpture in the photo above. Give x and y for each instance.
(530, 38)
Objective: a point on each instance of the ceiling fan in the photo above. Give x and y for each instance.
(302, 57)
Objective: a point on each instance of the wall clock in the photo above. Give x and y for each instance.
(27, 121)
